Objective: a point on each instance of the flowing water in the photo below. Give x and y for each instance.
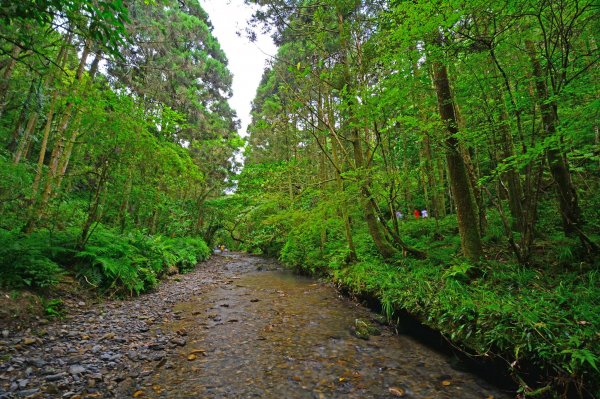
(272, 334)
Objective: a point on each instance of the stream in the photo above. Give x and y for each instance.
(275, 334)
(236, 327)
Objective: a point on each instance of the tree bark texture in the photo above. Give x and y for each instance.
(466, 207)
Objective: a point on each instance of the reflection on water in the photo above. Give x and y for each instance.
(275, 335)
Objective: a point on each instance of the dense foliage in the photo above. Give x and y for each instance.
(114, 129)
(485, 114)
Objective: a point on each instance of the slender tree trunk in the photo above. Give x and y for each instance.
(321, 136)
(344, 209)
(58, 160)
(93, 213)
(44, 145)
(25, 109)
(436, 192)
(125, 202)
(383, 245)
(468, 221)
(24, 142)
(4, 83)
(385, 248)
(559, 168)
(511, 176)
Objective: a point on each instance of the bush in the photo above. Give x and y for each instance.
(27, 260)
(187, 252)
(134, 263)
(303, 250)
(112, 262)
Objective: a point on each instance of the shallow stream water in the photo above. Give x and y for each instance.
(272, 334)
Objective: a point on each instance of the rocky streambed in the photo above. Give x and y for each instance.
(101, 350)
(233, 328)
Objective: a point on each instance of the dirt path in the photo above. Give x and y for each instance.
(226, 331)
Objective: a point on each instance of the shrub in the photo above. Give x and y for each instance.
(26, 260)
(187, 252)
(134, 263)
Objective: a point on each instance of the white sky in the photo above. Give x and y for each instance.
(246, 59)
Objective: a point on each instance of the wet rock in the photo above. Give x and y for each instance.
(76, 369)
(363, 329)
(28, 392)
(55, 377)
(157, 356)
(37, 362)
(133, 355)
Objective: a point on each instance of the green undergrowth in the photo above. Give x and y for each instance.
(114, 263)
(508, 312)
(542, 321)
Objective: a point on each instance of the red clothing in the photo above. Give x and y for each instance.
(417, 213)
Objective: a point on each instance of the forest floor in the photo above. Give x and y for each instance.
(234, 327)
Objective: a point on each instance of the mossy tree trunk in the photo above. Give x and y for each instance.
(466, 207)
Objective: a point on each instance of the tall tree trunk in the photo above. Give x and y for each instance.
(466, 207)
(25, 109)
(385, 248)
(321, 137)
(123, 209)
(57, 159)
(559, 168)
(344, 209)
(4, 83)
(24, 142)
(93, 209)
(511, 177)
(442, 192)
(44, 145)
